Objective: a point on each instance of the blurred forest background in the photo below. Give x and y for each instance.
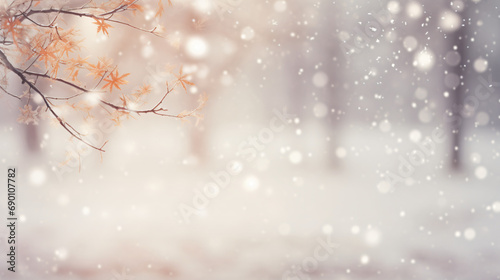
(365, 81)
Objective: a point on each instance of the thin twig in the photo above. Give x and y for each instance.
(89, 15)
(13, 95)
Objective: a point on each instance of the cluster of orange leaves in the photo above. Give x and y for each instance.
(52, 49)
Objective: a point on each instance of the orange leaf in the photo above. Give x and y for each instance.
(47, 55)
(74, 66)
(182, 79)
(102, 25)
(99, 69)
(143, 90)
(12, 25)
(159, 13)
(115, 80)
(133, 6)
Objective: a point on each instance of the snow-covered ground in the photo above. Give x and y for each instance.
(122, 216)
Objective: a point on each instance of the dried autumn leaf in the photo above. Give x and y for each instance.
(183, 114)
(64, 41)
(102, 25)
(115, 80)
(124, 101)
(12, 25)
(99, 69)
(133, 6)
(28, 115)
(143, 90)
(159, 12)
(47, 55)
(74, 66)
(181, 79)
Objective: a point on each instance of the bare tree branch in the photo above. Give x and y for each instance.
(64, 124)
(50, 50)
(88, 15)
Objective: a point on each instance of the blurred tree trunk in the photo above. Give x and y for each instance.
(31, 133)
(332, 56)
(32, 137)
(460, 40)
